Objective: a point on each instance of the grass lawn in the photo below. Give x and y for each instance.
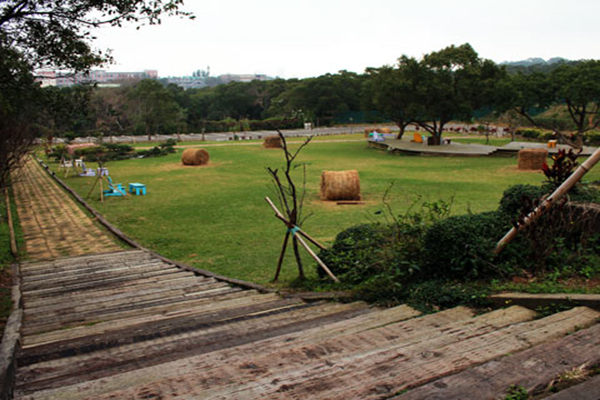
(215, 217)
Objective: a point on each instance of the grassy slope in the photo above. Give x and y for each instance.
(215, 217)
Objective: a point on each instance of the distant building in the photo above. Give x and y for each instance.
(59, 79)
(226, 78)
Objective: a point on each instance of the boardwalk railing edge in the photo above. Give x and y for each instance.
(11, 339)
(118, 233)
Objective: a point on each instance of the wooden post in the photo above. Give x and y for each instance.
(93, 186)
(296, 232)
(280, 262)
(550, 200)
(101, 191)
(290, 225)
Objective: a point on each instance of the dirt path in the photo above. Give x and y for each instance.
(53, 225)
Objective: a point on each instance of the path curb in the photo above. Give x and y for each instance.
(537, 301)
(11, 340)
(118, 233)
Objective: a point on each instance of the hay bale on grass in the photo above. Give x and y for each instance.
(384, 130)
(532, 159)
(194, 157)
(340, 185)
(272, 142)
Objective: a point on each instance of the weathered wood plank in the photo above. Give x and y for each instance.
(135, 310)
(372, 350)
(589, 390)
(236, 332)
(391, 371)
(142, 295)
(86, 290)
(147, 286)
(531, 369)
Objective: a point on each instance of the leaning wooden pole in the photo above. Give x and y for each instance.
(295, 231)
(550, 200)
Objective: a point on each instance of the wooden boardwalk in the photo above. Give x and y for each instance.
(127, 325)
(406, 146)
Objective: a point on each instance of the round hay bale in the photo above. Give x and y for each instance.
(532, 159)
(385, 130)
(272, 142)
(194, 157)
(340, 185)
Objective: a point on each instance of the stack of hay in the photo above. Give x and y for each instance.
(340, 185)
(532, 159)
(272, 142)
(194, 157)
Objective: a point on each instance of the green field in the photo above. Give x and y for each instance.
(215, 217)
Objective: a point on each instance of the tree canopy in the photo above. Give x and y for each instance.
(58, 33)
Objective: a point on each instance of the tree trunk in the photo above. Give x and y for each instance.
(298, 259)
(402, 129)
(436, 139)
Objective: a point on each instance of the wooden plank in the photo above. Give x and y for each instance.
(142, 294)
(88, 290)
(168, 282)
(185, 372)
(531, 369)
(589, 390)
(341, 363)
(101, 328)
(63, 321)
(154, 352)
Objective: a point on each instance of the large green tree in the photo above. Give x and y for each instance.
(392, 91)
(58, 33)
(20, 103)
(450, 84)
(153, 107)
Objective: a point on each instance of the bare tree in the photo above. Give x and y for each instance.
(291, 198)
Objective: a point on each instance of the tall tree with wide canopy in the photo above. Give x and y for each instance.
(392, 91)
(57, 34)
(450, 84)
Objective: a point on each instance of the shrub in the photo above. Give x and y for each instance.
(161, 150)
(529, 133)
(512, 199)
(364, 253)
(440, 295)
(460, 247)
(592, 138)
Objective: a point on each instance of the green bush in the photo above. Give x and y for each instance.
(513, 197)
(433, 295)
(362, 253)
(592, 138)
(460, 247)
(529, 133)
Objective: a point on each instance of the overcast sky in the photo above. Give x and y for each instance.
(312, 37)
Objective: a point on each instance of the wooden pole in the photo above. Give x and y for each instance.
(101, 190)
(280, 262)
(317, 259)
(92, 188)
(300, 240)
(550, 200)
(290, 225)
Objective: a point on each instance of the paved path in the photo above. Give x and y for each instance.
(128, 325)
(53, 225)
